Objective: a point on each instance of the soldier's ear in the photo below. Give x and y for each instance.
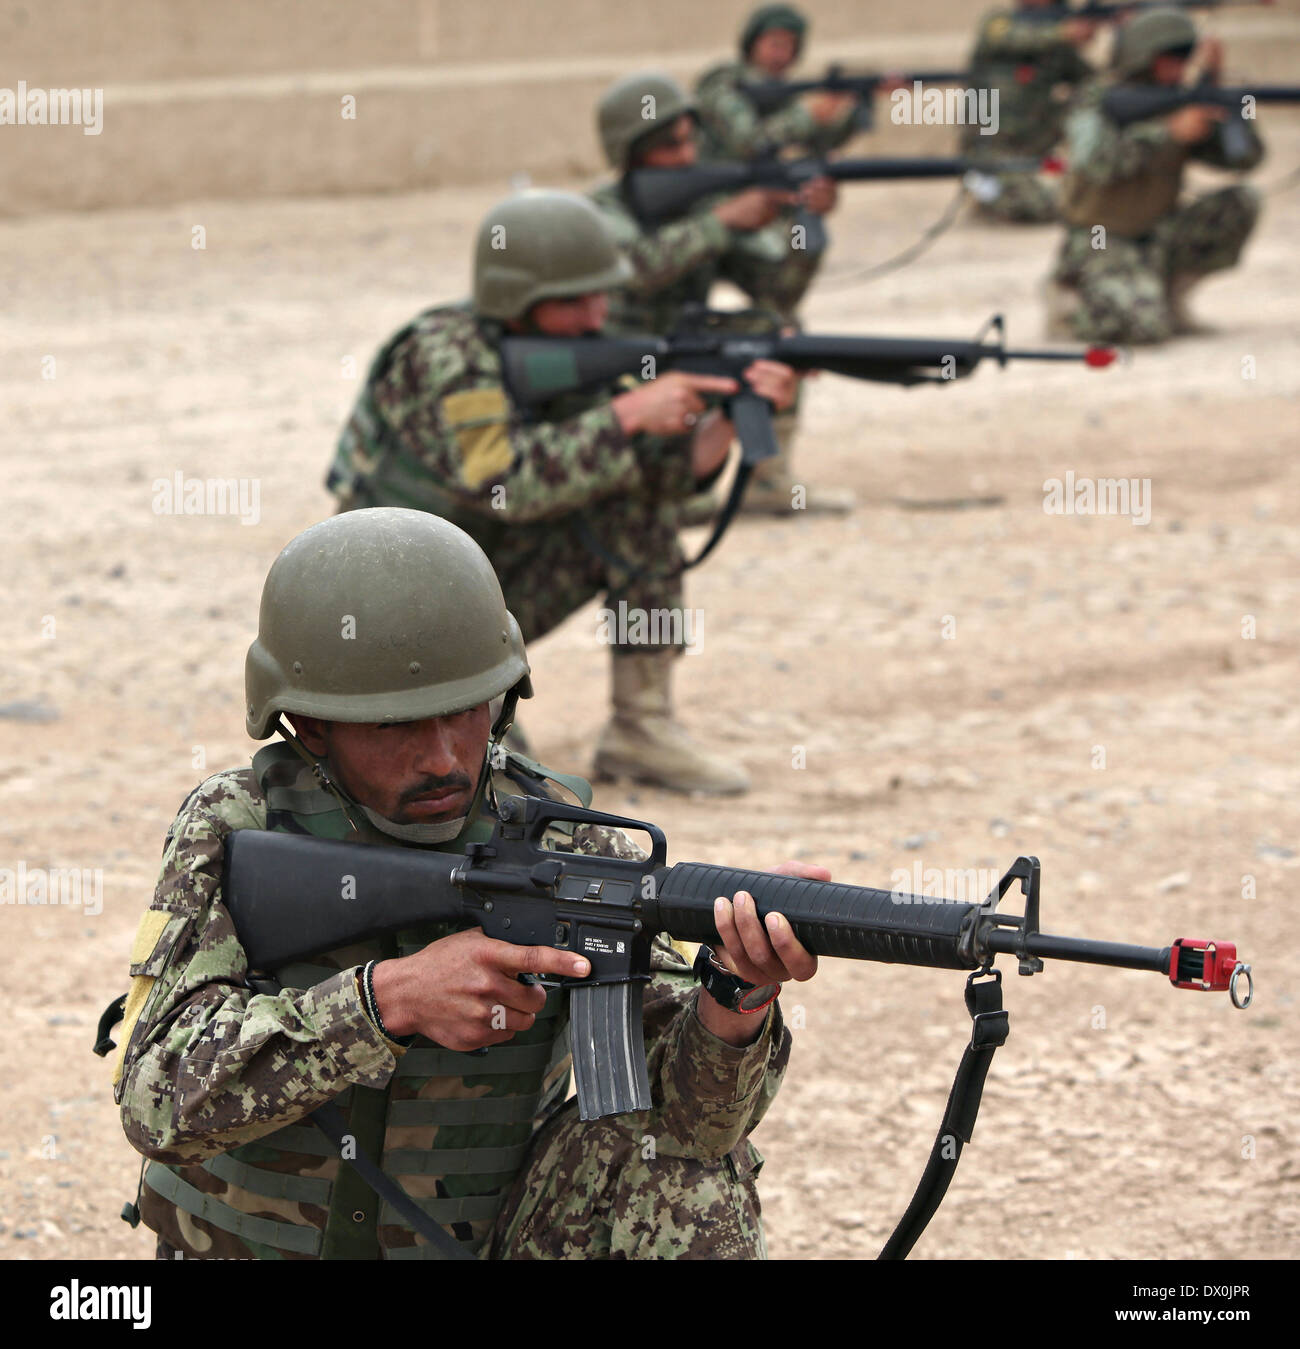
(311, 731)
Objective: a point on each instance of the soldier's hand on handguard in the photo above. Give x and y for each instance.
(1078, 32)
(753, 208)
(670, 405)
(819, 195)
(1193, 124)
(757, 952)
(463, 992)
(827, 107)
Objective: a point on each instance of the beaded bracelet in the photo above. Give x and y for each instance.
(372, 1006)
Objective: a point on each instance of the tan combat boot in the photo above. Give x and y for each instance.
(773, 489)
(643, 742)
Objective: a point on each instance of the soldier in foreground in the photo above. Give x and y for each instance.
(1027, 61)
(383, 636)
(1131, 253)
(587, 498)
(648, 121)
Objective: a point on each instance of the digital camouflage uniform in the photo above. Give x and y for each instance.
(676, 264)
(216, 1081)
(1026, 62)
(766, 264)
(434, 429)
(1127, 181)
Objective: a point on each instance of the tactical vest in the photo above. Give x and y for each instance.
(373, 468)
(1131, 208)
(452, 1129)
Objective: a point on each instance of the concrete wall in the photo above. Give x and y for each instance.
(247, 98)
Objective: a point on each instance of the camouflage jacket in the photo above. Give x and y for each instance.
(1127, 179)
(672, 266)
(435, 429)
(734, 129)
(1027, 63)
(213, 1077)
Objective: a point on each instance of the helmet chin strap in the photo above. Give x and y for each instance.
(431, 832)
(320, 771)
(506, 717)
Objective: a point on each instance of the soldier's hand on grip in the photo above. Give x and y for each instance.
(463, 991)
(668, 406)
(752, 209)
(827, 107)
(1192, 124)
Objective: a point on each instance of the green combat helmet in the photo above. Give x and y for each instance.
(542, 245)
(766, 17)
(1149, 35)
(382, 615)
(637, 107)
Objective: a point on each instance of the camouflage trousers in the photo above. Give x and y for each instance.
(1023, 198)
(773, 266)
(590, 1191)
(624, 547)
(1124, 288)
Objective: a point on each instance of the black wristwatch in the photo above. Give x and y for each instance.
(730, 990)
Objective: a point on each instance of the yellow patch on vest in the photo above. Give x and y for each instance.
(998, 26)
(477, 418)
(152, 926)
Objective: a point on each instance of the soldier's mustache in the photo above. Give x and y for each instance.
(434, 784)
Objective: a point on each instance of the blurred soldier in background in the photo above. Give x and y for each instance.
(770, 44)
(1131, 253)
(648, 121)
(1027, 61)
(776, 266)
(584, 497)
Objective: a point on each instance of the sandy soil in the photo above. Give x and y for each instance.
(961, 685)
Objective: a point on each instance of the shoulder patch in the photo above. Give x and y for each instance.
(149, 952)
(477, 418)
(998, 26)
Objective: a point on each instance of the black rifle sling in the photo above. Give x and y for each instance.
(988, 1030)
(329, 1120)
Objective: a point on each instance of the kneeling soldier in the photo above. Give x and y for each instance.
(383, 637)
(1132, 252)
(583, 498)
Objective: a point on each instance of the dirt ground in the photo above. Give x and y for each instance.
(959, 685)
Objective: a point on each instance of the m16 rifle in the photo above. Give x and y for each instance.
(769, 96)
(706, 342)
(1103, 12)
(655, 196)
(1130, 103)
(291, 897)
